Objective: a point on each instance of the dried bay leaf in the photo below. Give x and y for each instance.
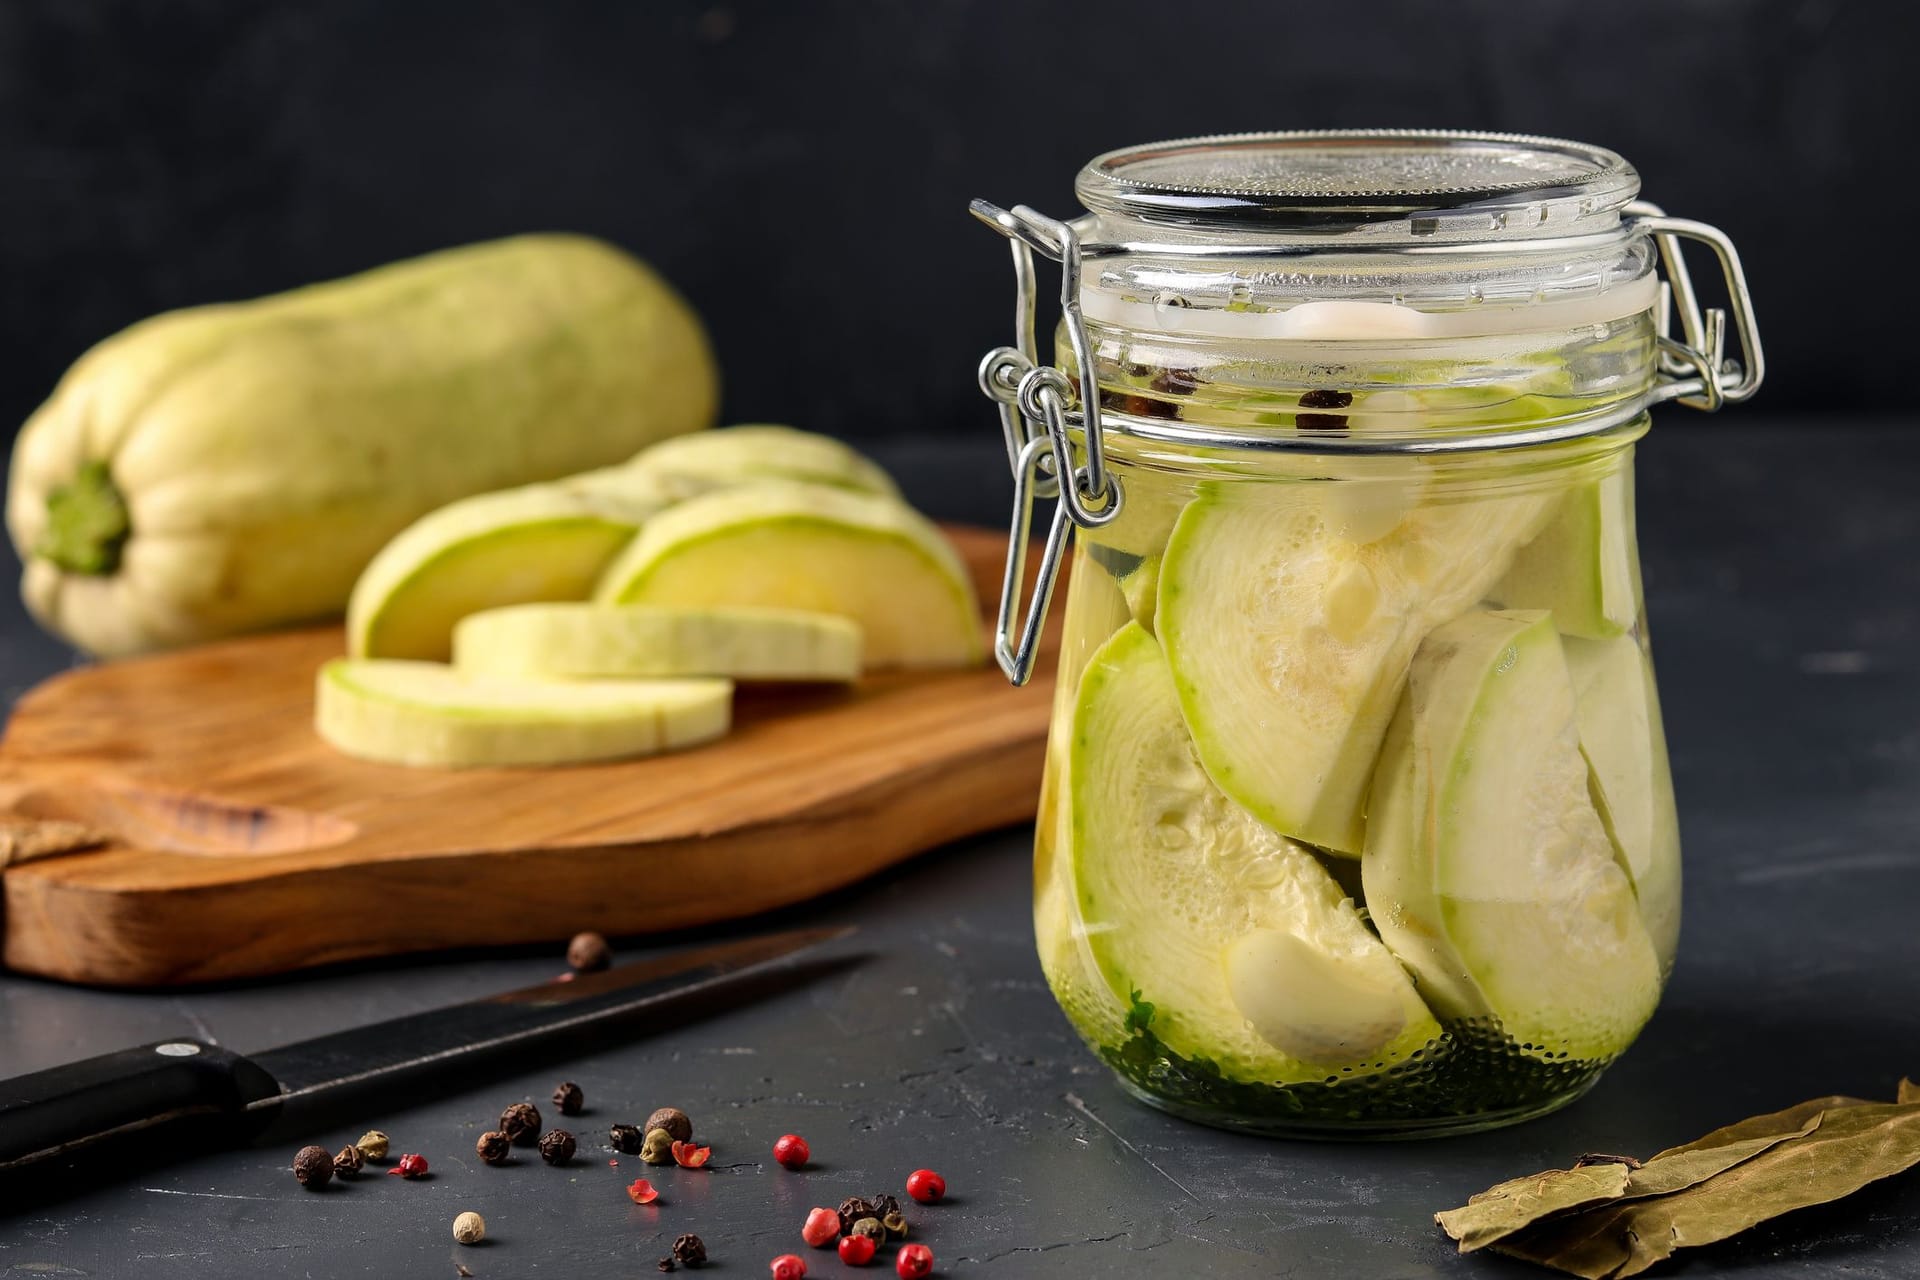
(1677, 1170)
(1589, 1244)
(1849, 1146)
(1500, 1211)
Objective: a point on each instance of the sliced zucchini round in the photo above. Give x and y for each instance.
(1228, 941)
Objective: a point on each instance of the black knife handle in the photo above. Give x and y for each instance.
(171, 1085)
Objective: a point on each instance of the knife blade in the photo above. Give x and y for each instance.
(50, 1117)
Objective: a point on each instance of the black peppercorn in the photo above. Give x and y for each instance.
(884, 1205)
(313, 1167)
(665, 1264)
(1324, 398)
(521, 1122)
(674, 1121)
(348, 1162)
(588, 953)
(689, 1249)
(852, 1209)
(568, 1098)
(493, 1147)
(556, 1146)
(626, 1139)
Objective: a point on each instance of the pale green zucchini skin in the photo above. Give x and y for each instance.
(634, 642)
(813, 547)
(398, 711)
(264, 451)
(1488, 869)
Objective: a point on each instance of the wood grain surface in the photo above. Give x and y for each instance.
(228, 841)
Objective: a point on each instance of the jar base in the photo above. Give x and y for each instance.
(1396, 1129)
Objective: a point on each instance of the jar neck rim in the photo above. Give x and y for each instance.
(1624, 418)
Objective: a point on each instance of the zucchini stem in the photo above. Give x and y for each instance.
(87, 523)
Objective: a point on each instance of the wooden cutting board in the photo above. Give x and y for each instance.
(236, 843)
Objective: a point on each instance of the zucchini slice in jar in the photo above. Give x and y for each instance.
(1289, 641)
(1488, 868)
(1242, 947)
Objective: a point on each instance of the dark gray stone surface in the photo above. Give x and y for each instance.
(1783, 570)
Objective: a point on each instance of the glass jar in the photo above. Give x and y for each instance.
(1357, 819)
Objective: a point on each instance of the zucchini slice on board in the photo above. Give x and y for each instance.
(552, 542)
(562, 640)
(691, 465)
(424, 713)
(816, 548)
(541, 542)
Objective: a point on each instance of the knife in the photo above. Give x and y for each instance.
(197, 1091)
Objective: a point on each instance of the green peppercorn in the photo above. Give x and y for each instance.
(374, 1144)
(658, 1147)
(871, 1229)
(896, 1224)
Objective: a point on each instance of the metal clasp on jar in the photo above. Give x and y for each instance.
(1697, 371)
(1028, 392)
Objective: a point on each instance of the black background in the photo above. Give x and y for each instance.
(801, 169)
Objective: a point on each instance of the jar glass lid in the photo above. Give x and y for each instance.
(1435, 187)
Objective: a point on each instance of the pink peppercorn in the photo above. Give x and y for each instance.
(822, 1228)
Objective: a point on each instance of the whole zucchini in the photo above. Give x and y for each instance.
(227, 468)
